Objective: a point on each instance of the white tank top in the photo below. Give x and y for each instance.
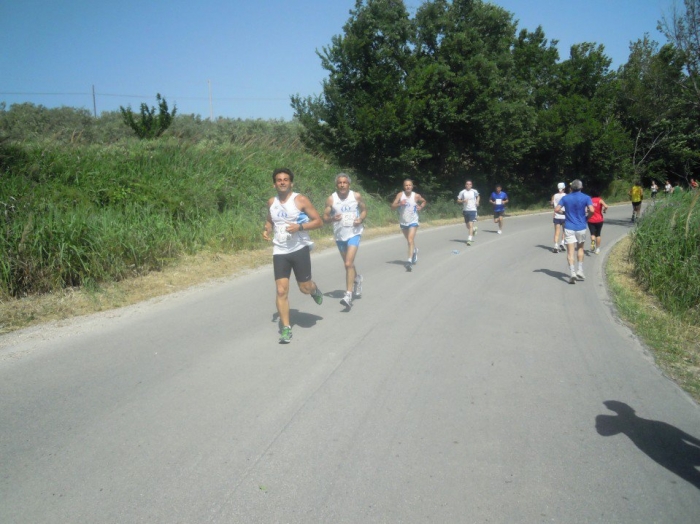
(408, 212)
(344, 229)
(555, 199)
(282, 215)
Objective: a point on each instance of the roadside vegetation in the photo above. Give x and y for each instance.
(654, 278)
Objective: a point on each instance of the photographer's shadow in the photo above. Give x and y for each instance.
(667, 445)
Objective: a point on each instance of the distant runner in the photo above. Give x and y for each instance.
(409, 204)
(595, 221)
(347, 211)
(559, 219)
(499, 199)
(469, 198)
(636, 195)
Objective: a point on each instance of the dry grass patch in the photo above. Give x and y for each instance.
(674, 342)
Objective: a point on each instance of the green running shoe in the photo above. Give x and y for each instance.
(286, 335)
(317, 296)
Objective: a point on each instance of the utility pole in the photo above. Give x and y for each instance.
(211, 107)
(94, 103)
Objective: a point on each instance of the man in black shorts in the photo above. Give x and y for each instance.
(290, 215)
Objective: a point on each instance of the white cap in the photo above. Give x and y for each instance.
(561, 185)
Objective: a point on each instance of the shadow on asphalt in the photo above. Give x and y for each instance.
(299, 318)
(665, 444)
(554, 274)
(547, 248)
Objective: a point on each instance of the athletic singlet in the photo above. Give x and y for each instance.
(282, 215)
(597, 216)
(344, 229)
(636, 194)
(408, 212)
(555, 199)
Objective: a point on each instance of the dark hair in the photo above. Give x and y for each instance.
(282, 170)
(595, 193)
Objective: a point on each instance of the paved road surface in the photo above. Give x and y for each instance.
(481, 387)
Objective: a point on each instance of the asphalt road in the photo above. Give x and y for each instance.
(481, 387)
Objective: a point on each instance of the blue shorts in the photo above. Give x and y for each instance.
(343, 244)
(409, 226)
(469, 216)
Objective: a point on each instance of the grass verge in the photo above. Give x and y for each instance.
(187, 271)
(674, 343)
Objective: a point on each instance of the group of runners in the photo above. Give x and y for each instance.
(291, 216)
(576, 214)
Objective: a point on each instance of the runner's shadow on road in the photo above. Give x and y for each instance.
(620, 222)
(546, 248)
(299, 318)
(338, 293)
(554, 274)
(459, 241)
(665, 444)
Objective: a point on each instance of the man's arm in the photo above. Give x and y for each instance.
(397, 201)
(327, 211)
(267, 228)
(422, 202)
(362, 207)
(307, 207)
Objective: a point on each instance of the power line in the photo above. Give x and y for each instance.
(97, 93)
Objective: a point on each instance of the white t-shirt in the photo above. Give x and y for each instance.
(468, 197)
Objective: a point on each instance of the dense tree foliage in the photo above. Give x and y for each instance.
(453, 91)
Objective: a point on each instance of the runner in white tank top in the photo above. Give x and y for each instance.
(347, 211)
(289, 217)
(409, 204)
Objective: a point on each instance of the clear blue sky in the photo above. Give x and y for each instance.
(256, 53)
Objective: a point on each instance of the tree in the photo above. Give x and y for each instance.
(150, 125)
(651, 104)
(362, 117)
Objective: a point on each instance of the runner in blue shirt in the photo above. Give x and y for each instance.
(499, 199)
(577, 207)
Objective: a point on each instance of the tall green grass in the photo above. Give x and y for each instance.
(74, 214)
(666, 252)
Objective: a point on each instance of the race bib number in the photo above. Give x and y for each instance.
(499, 201)
(347, 220)
(281, 233)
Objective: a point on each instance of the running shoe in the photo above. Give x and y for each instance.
(562, 247)
(597, 251)
(409, 266)
(357, 286)
(499, 232)
(476, 229)
(317, 296)
(572, 279)
(347, 300)
(580, 275)
(555, 249)
(592, 245)
(414, 258)
(286, 335)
